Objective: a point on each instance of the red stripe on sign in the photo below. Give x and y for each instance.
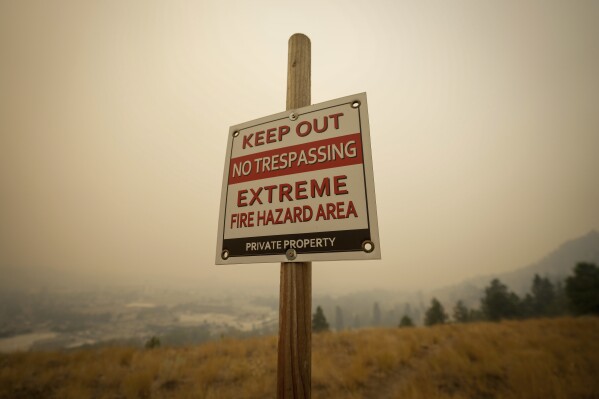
(316, 155)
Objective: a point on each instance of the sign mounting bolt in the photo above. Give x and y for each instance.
(291, 254)
(368, 246)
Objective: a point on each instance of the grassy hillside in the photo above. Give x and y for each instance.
(546, 359)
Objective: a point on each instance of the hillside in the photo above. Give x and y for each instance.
(550, 358)
(556, 265)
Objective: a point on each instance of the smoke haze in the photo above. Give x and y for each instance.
(114, 117)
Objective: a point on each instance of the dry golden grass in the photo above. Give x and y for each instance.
(553, 358)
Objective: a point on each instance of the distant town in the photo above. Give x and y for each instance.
(53, 318)
(50, 319)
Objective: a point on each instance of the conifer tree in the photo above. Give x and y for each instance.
(461, 313)
(499, 303)
(543, 296)
(319, 321)
(406, 321)
(435, 314)
(582, 289)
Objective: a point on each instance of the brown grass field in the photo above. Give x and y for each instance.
(544, 359)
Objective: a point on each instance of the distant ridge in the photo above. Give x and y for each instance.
(557, 265)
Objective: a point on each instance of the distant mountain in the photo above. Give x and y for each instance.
(557, 265)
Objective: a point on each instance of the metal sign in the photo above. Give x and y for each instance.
(298, 186)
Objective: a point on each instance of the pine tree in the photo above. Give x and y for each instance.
(543, 296)
(560, 304)
(435, 314)
(406, 321)
(461, 313)
(583, 289)
(319, 321)
(153, 342)
(499, 303)
(407, 310)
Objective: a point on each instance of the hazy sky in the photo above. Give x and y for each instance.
(484, 120)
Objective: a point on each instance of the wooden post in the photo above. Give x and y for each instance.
(294, 369)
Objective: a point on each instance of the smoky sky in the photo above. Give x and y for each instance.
(484, 124)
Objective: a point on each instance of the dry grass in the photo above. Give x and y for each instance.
(545, 359)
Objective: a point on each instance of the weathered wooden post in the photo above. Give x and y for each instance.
(294, 369)
(298, 187)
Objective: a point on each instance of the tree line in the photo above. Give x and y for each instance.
(578, 295)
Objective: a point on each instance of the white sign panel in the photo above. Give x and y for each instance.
(298, 186)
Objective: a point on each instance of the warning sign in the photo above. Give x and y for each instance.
(298, 186)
